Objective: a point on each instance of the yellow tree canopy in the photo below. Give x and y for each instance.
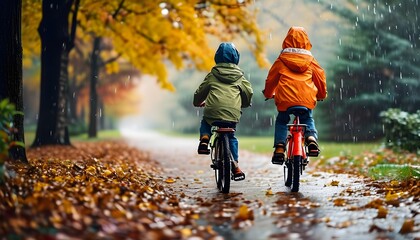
(150, 33)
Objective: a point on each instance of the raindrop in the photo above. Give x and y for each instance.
(256, 116)
(164, 11)
(198, 113)
(270, 36)
(271, 121)
(100, 112)
(176, 24)
(173, 124)
(162, 5)
(339, 41)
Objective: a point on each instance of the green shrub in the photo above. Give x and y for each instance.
(402, 130)
(7, 111)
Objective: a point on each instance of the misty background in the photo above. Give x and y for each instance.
(369, 50)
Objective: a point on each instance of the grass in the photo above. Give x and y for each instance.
(328, 149)
(264, 145)
(102, 135)
(394, 171)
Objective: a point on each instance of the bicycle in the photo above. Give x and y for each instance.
(297, 154)
(221, 155)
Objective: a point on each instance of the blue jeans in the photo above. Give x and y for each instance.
(283, 118)
(205, 129)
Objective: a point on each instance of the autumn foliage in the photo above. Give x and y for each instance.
(90, 191)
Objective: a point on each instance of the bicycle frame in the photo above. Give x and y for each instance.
(296, 145)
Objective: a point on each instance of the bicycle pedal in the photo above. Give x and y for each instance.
(214, 166)
(239, 177)
(277, 162)
(314, 153)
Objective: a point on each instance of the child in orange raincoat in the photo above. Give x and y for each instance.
(295, 79)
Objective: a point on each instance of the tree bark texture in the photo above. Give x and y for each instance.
(56, 43)
(93, 101)
(11, 84)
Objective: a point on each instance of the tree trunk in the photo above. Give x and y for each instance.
(102, 115)
(56, 43)
(73, 100)
(11, 84)
(94, 67)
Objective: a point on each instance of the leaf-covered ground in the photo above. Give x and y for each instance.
(108, 190)
(90, 191)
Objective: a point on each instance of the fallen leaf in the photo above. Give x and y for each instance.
(382, 212)
(339, 202)
(170, 180)
(269, 192)
(407, 227)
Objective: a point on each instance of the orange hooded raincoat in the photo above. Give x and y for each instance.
(296, 78)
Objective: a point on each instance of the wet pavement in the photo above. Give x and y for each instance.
(327, 206)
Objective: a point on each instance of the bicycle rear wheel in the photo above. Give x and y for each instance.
(296, 172)
(288, 173)
(223, 170)
(292, 172)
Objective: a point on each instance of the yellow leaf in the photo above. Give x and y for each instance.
(107, 172)
(170, 180)
(269, 192)
(186, 232)
(91, 170)
(244, 213)
(382, 212)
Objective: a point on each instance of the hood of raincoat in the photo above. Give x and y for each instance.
(227, 72)
(295, 54)
(227, 53)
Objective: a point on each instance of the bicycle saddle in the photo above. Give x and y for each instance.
(297, 110)
(223, 124)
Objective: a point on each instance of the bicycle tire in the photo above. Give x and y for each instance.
(288, 173)
(225, 169)
(296, 173)
(216, 162)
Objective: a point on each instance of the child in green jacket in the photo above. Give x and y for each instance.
(223, 93)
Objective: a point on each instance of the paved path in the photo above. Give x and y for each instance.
(309, 214)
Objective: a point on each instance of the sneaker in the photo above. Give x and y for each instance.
(278, 155)
(313, 148)
(203, 147)
(238, 175)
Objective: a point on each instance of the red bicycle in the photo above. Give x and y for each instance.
(296, 151)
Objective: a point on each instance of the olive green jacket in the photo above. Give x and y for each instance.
(225, 91)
